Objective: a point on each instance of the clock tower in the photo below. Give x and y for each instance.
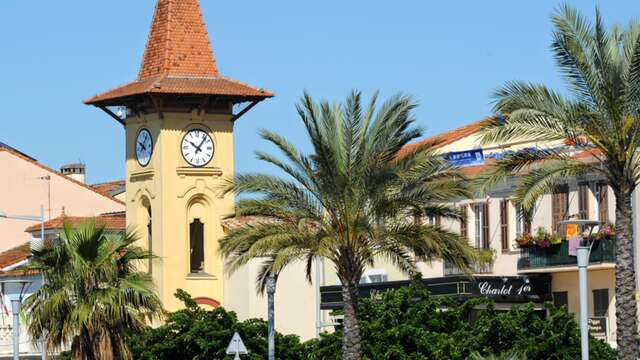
(178, 117)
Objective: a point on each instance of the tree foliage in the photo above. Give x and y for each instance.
(409, 324)
(599, 116)
(351, 200)
(198, 334)
(400, 324)
(93, 294)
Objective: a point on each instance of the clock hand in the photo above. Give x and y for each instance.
(204, 138)
(143, 147)
(195, 146)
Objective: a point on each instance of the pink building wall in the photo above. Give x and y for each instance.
(22, 193)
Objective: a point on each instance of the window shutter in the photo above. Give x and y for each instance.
(464, 232)
(504, 224)
(583, 201)
(600, 302)
(560, 206)
(561, 298)
(485, 225)
(603, 202)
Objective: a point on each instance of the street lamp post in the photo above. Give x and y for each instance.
(42, 243)
(271, 290)
(583, 252)
(15, 291)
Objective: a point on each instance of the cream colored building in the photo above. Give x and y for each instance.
(493, 224)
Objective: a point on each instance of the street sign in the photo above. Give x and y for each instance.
(598, 327)
(236, 347)
(465, 158)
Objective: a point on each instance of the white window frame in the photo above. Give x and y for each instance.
(368, 274)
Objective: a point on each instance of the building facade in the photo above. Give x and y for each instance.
(26, 185)
(495, 226)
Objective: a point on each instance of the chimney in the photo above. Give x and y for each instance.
(74, 171)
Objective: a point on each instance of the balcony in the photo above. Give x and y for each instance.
(557, 256)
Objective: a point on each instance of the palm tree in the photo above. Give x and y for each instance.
(350, 201)
(599, 115)
(93, 293)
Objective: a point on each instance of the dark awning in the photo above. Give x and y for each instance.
(501, 289)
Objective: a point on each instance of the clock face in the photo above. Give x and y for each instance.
(197, 147)
(144, 147)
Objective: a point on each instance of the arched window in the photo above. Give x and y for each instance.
(196, 241)
(145, 228)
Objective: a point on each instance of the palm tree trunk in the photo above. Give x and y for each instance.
(625, 280)
(351, 341)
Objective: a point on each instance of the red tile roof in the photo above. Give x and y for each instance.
(178, 43)
(15, 255)
(18, 273)
(178, 60)
(111, 221)
(24, 157)
(107, 188)
(450, 136)
(588, 156)
(167, 85)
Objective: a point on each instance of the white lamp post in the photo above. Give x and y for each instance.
(271, 290)
(15, 290)
(583, 252)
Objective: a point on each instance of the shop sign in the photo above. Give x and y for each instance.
(503, 289)
(465, 158)
(510, 288)
(598, 327)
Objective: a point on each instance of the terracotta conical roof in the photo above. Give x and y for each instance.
(178, 44)
(178, 60)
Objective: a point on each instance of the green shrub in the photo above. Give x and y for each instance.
(195, 333)
(409, 324)
(506, 356)
(404, 324)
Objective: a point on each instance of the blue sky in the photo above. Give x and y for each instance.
(449, 55)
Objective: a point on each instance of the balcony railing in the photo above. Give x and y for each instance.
(603, 251)
(452, 270)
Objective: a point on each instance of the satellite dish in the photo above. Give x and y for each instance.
(236, 347)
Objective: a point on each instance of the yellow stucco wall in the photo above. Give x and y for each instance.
(597, 279)
(171, 187)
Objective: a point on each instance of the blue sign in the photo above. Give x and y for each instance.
(465, 158)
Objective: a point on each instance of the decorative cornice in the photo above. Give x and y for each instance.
(201, 172)
(141, 175)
